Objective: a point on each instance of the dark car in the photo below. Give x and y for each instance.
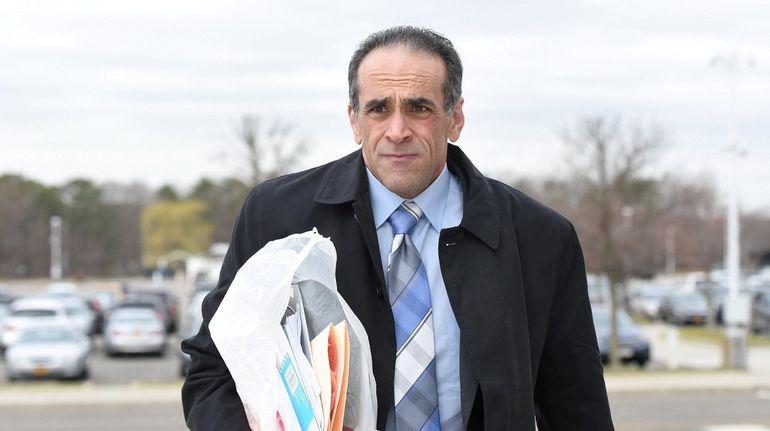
(633, 345)
(141, 300)
(681, 308)
(760, 312)
(169, 301)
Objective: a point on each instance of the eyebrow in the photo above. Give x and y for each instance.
(420, 101)
(415, 101)
(376, 103)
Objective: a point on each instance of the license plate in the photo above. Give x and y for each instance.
(698, 319)
(626, 352)
(40, 370)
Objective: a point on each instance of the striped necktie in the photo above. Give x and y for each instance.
(416, 398)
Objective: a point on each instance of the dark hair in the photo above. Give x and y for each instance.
(417, 39)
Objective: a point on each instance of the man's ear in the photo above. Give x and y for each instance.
(457, 121)
(353, 117)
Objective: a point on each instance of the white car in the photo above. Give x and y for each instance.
(79, 314)
(49, 351)
(62, 288)
(135, 330)
(32, 312)
(75, 306)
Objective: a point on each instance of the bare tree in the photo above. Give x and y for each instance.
(607, 162)
(275, 152)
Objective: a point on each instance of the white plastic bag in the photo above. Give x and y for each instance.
(247, 325)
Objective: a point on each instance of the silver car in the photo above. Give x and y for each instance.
(135, 330)
(49, 351)
(30, 313)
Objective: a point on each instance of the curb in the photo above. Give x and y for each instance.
(88, 395)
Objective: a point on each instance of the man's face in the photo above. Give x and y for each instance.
(401, 123)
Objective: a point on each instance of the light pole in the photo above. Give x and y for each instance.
(670, 249)
(55, 240)
(736, 308)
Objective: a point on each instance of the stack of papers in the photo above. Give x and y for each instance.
(314, 372)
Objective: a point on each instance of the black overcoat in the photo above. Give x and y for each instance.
(515, 278)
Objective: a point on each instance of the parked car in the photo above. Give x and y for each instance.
(100, 303)
(170, 302)
(760, 312)
(135, 330)
(74, 304)
(31, 312)
(6, 296)
(633, 345)
(62, 288)
(5, 311)
(194, 308)
(79, 313)
(647, 302)
(137, 300)
(193, 325)
(165, 302)
(49, 351)
(681, 308)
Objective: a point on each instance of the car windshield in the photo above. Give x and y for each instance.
(127, 315)
(33, 313)
(47, 336)
(602, 318)
(135, 319)
(73, 311)
(654, 293)
(691, 300)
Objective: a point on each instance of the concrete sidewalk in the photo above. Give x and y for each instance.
(650, 381)
(49, 394)
(89, 394)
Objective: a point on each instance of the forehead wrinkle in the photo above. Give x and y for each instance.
(412, 86)
(402, 79)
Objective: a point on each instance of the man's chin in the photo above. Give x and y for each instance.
(404, 187)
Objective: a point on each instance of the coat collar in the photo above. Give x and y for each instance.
(347, 182)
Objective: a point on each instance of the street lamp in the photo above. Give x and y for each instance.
(55, 241)
(736, 308)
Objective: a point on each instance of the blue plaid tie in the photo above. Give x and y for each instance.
(416, 397)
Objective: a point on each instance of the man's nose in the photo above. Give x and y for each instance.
(398, 128)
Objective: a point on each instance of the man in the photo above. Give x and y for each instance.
(472, 294)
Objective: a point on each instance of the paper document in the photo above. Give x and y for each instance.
(293, 327)
(340, 364)
(297, 394)
(331, 355)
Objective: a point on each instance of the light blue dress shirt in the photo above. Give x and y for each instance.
(442, 205)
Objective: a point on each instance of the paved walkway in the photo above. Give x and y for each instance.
(626, 381)
(688, 381)
(47, 395)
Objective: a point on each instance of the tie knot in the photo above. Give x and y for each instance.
(405, 217)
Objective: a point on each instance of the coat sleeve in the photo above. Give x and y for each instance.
(570, 394)
(209, 398)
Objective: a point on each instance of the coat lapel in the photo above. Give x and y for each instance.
(484, 282)
(348, 184)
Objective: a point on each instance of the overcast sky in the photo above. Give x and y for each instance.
(151, 90)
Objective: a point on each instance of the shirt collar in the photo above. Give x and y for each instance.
(431, 201)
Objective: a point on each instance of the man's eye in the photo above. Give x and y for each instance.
(378, 110)
(420, 109)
